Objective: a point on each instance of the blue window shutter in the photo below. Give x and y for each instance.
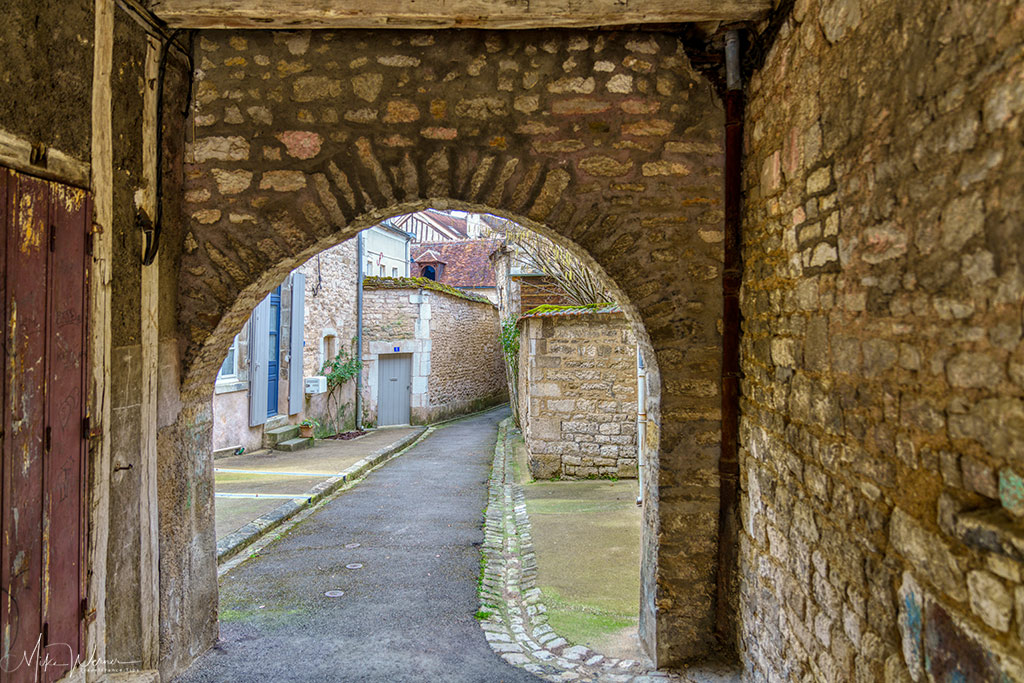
(295, 389)
(259, 358)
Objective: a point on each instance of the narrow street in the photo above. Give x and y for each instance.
(407, 612)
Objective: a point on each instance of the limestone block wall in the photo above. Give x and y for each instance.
(883, 395)
(456, 357)
(577, 395)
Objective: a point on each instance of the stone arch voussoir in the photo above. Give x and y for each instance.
(610, 142)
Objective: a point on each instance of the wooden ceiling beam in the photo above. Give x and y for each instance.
(435, 14)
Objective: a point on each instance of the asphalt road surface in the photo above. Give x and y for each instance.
(409, 598)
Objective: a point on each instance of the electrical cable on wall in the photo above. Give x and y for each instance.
(151, 227)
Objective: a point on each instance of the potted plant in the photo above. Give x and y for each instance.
(307, 426)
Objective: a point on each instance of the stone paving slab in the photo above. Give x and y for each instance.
(517, 625)
(327, 457)
(334, 453)
(234, 513)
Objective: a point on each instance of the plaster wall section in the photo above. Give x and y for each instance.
(580, 399)
(882, 440)
(46, 89)
(231, 394)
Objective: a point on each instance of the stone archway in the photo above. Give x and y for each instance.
(304, 138)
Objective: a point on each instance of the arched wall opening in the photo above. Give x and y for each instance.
(619, 160)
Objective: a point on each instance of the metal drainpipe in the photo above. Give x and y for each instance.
(641, 423)
(359, 328)
(732, 277)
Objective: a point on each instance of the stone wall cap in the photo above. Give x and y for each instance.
(418, 283)
(548, 311)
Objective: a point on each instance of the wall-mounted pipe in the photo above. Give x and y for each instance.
(359, 329)
(732, 278)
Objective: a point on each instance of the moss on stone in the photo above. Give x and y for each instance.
(375, 282)
(585, 308)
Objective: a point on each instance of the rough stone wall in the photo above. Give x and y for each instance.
(882, 352)
(608, 142)
(395, 318)
(467, 370)
(579, 396)
(330, 305)
(456, 358)
(388, 314)
(330, 302)
(538, 290)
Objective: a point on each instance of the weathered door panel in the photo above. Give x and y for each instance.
(66, 447)
(43, 450)
(6, 606)
(394, 389)
(24, 417)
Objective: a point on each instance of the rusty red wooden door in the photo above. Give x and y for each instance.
(43, 435)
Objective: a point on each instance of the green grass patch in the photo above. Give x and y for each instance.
(581, 623)
(483, 615)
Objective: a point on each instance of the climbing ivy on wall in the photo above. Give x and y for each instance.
(510, 349)
(338, 370)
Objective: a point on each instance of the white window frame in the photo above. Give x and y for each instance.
(226, 383)
(233, 376)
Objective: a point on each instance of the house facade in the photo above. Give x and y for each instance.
(430, 352)
(307, 321)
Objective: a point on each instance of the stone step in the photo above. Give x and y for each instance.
(272, 437)
(295, 444)
(275, 422)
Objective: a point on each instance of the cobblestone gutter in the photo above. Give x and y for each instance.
(516, 626)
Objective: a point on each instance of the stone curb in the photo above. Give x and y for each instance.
(517, 628)
(234, 542)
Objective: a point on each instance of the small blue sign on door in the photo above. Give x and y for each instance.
(397, 349)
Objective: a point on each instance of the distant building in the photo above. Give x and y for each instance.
(431, 225)
(386, 251)
(464, 265)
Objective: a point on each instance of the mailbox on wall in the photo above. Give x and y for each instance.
(316, 385)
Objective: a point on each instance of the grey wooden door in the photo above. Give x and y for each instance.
(395, 389)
